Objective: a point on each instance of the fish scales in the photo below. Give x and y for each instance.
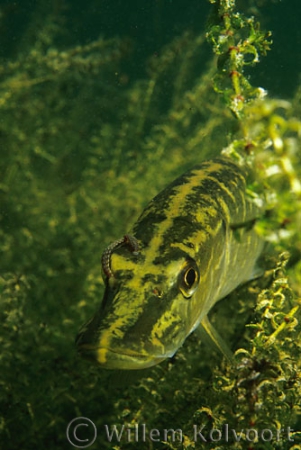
(196, 243)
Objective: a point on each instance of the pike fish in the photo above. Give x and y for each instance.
(192, 245)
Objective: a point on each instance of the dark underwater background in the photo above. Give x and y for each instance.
(101, 104)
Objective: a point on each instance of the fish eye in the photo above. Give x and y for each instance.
(188, 278)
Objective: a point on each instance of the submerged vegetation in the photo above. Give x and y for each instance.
(85, 144)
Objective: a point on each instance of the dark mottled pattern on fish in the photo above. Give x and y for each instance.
(190, 257)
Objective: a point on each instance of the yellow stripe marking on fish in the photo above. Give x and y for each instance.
(192, 245)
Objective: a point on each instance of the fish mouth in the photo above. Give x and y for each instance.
(119, 358)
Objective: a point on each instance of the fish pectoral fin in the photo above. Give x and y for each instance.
(246, 225)
(215, 338)
(240, 229)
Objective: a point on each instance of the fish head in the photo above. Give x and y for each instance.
(146, 312)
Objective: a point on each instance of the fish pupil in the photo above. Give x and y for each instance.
(190, 277)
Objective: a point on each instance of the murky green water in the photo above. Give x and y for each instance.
(101, 104)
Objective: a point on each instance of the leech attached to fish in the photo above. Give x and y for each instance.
(106, 256)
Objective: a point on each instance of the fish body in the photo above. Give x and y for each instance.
(196, 243)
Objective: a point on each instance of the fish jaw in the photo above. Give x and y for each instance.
(115, 359)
